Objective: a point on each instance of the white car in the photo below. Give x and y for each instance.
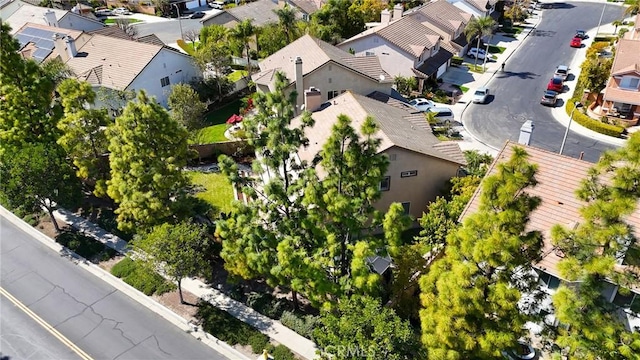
(562, 72)
(480, 95)
(121, 11)
(422, 104)
(476, 53)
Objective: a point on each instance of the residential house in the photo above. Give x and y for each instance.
(404, 46)
(447, 20)
(306, 7)
(621, 98)
(142, 6)
(558, 178)
(634, 33)
(18, 13)
(110, 62)
(419, 164)
(260, 13)
(310, 62)
(477, 8)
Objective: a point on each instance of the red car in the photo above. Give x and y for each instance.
(576, 42)
(555, 84)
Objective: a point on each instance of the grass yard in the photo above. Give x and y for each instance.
(113, 21)
(236, 75)
(496, 49)
(514, 30)
(218, 191)
(216, 124)
(464, 89)
(476, 68)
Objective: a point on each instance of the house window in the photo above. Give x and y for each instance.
(369, 53)
(409, 173)
(629, 82)
(330, 67)
(329, 80)
(385, 184)
(550, 281)
(164, 81)
(630, 300)
(406, 206)
(393, 157)
(375, 40)
(332, 94)
(305, 17)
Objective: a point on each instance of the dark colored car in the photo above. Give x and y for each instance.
(576, 42)
(556, 84)
(197, 15)
(581, 34)
(549, 98)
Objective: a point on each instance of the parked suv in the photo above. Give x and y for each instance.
(562, 72)
(442, 114)
(476, 53)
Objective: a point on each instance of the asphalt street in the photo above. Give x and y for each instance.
(518, 90)
(98, 319)
(21, 337)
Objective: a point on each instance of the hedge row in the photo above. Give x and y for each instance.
(138, 276)
(595, 125)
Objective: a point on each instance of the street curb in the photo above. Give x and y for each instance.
(166, 313)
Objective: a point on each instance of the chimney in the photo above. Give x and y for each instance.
(398, 10)
(50, 18)
(312, 99)
(59, 45)
(385, 17)
(71, 46)
(299, 82)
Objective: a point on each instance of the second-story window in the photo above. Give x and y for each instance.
(164, 81)
(630, 82)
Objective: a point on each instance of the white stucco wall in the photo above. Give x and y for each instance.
(393, 60)
(178, 67)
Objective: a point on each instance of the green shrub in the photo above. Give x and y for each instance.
(266, 304)
(223, 326)
(595, 125)
(302, 325)
(258, 343)
(456, 60)
(85, 246)
(137, 275)
(282, 352)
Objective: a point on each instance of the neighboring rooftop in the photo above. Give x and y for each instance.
(442, 14)
(308, 6)
(398, 127)
(558, 177)
(314, 54)
(626, 62)
(261, 12)
(117, 32)
(27, 13)
(36, 41)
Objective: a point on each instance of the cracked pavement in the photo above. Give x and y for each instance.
(97, 318)
(518, 90)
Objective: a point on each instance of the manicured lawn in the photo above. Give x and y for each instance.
(514, 30)
(464, 89)
(476, 68)
(218, 191)
(113, 21)
(496, 49)
(236, 75)
(217, 124)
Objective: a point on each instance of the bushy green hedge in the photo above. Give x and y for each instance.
(282, 352)
(595, 125)
(85, 246)
(259, 342)
(456, 60)
(302, 325)
(266, 304)
(138, 276)
(225, 327)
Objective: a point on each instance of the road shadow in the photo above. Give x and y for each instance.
(561, 5)
(570, 77)
(522, 75)
(559, 103)
(543, 33)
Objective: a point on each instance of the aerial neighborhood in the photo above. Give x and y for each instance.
(320, 179)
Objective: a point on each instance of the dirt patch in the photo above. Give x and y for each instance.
(107, 265)
(46, 227)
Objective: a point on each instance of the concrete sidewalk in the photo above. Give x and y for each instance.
(473, 80)
(272, 328)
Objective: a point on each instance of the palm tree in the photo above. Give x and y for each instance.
(244, 33)
(287, 21)
(479, 27)
(634, 8)
(616, 24)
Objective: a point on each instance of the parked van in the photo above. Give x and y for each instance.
(216, 5)
(442, 114)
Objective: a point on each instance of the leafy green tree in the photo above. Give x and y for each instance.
(38, 176)
(287, 22)
(177, 250)
(83, 133)
(477, 163)
(26, 114)
(592, 252)
(409, 263)
(148, 151)
(334, 22)
(470, 296)
(368, 10)
(213, 34)
(479, 27)
(186, 107)
(214, 57)
(595, 74)
(244, 34)
(405, 85)
(360, 328)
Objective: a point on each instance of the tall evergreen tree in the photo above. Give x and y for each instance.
(83, 133)
(592, 252)
(470, 296)
(26, 114)
(148, 151)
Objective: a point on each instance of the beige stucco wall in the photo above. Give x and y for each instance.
(222, 19)
(419, 190)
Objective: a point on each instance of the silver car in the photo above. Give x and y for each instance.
(481, 95)
(422, 104)
(562, 72)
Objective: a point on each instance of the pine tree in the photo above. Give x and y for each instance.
(470, 296)
(148, 152)
(83, 133)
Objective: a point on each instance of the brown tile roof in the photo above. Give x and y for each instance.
(117, 32)
(260, 12)
(626, 61)
(627, 52)
(479, 4)
(559, 178)
(307, 6)
(314, 54)
(398, 127)
(441, 14)
(118, 61)
(406, 33)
